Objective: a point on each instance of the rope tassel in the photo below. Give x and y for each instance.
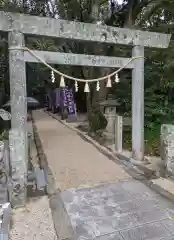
(86, 89)
(62, 82)
(98, 86)
(76, 86)
(52, 77)
(109, 83)
(117, 80)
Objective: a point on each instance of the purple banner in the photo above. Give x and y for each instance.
(63, 100)
(68, 100)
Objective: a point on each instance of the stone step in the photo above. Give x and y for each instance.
(164, 186)
(123, 210)
(123, 190)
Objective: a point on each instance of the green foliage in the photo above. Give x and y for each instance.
(97, 120)
(4, 135)
(151, 136)
(4, 128)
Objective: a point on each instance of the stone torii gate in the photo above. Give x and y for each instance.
(18, 25)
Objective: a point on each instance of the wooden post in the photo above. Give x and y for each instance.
(18, 135)
(118, 134)
(138, 104)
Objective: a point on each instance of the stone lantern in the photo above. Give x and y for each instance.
(110, 110)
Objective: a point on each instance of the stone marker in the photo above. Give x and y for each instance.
(167, 148)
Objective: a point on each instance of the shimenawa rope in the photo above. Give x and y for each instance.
(63, 75)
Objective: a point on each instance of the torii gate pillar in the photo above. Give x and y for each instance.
(18, 136)
(138, 104)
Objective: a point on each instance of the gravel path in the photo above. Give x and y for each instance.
(33, 222)
(73, 161)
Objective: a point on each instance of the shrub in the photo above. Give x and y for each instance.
(97, 120)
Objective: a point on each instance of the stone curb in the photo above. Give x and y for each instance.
(157, 187)
(50, 188)
(161, 191)
(62, 224)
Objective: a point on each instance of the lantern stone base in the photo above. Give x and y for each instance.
(111, 123)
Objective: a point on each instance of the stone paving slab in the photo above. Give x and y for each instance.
(112, 236)
(153, 231)
(127, 210)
